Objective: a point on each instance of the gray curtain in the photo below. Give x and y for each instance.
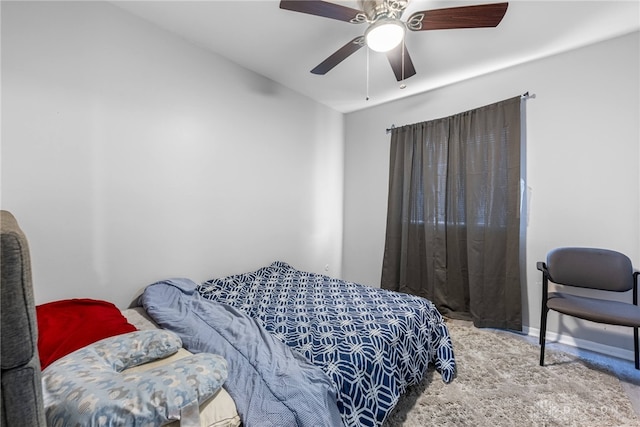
(453, 219)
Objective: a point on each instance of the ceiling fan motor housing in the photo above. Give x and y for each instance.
(376, 9)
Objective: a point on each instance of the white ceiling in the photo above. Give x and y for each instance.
(284, 46)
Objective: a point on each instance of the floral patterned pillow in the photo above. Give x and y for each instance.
(87, 388)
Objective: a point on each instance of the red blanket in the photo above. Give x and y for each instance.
(68, 325)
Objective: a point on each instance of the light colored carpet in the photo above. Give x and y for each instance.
(500, 383)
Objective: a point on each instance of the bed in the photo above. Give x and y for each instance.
(293, 348)
(371, 343)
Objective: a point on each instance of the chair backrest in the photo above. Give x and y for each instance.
(22, 403)
(590, 268)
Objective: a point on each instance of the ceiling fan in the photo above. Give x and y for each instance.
(386, 29)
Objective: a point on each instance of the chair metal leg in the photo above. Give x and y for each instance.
(635, 347)
(544, 310)
(543, 331)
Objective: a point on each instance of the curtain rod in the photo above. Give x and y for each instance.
(525, 96)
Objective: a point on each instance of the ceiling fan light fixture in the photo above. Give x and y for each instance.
(384, 34)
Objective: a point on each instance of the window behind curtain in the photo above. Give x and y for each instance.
(453, 223)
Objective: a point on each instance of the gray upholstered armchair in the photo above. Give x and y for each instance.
(593, 268)
(21, 379)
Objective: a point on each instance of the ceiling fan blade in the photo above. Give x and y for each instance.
(395, 59)
(339, 56)
(478, 16)
(321, 8)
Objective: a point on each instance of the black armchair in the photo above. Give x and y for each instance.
(596, 269)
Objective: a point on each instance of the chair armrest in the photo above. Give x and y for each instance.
(542, 267)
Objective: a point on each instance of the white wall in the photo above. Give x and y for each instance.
(130, 156)
(582, 153)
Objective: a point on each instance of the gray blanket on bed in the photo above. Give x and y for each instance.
(270, 384)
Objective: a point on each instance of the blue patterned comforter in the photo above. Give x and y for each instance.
(373, 343)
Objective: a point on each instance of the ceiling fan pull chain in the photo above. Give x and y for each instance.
(403, 85)
(367, 75)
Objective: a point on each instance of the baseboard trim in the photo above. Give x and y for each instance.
(580, 344)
